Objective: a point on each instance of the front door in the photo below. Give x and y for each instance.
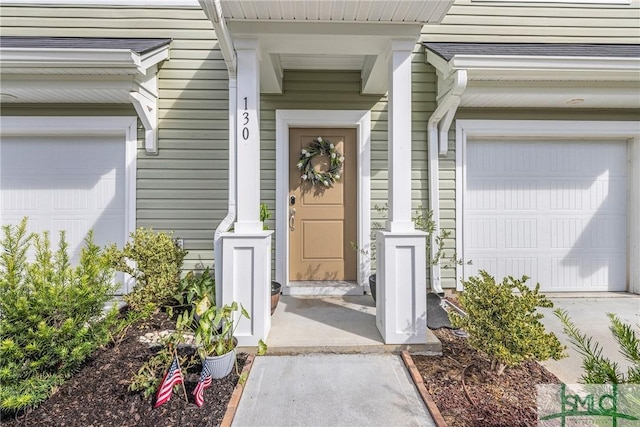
(323, 219)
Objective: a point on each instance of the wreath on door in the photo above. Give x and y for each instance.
(320, 147)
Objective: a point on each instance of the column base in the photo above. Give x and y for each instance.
(246, 278)
(401, 303)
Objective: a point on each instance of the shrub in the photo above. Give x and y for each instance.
(192, 288)
(504, 324)
(597, 368)
(154, 260)
(51, 314)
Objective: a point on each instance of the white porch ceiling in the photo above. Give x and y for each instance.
(396, 11)
(322, 34)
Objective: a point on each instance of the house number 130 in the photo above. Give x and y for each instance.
(245, 115)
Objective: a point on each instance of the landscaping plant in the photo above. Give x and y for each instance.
(597, 368)
(51, 314)
(154, 260)
(193, 287)
(502, 321)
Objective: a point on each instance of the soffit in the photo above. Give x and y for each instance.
(395, 11)
(505, 75)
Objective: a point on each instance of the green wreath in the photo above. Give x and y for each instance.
(320, 147)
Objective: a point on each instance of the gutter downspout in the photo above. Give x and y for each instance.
(437, 134)
(213, 10)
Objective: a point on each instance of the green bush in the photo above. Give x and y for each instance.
(51, 314)
(597, 368)
(504, 324)
(192, 288)
(154, 260)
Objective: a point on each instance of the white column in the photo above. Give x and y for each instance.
(401, 303)
(246, 252)
(246, 278)
(399, 138)
(401, 288)
(248, 136)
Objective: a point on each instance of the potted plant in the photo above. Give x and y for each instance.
(214, 328)
(276, 288)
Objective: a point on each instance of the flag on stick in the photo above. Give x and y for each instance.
(171, 378)
(203, 383)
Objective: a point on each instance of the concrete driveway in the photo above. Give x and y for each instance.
(589, 313)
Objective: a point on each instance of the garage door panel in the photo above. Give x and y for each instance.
(564, 226)
(65, 183)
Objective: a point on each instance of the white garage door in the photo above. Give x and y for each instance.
(72, 183)
(554, 211)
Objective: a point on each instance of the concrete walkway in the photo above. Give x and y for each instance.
(589, 314)
(331, 390)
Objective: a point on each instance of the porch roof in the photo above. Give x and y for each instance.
(84, 70)
(407, 11)
(325, 35)
(522, 75)
(138, 46)
(448, 50)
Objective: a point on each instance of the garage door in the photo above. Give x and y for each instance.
(554, 211)
(72, 183)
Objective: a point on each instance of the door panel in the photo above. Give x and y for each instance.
(325, 220)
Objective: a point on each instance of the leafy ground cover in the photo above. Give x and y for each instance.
(98, 394)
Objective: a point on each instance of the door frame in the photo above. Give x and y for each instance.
(361, 121)
(468, 130)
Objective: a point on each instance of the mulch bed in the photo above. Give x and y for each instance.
(506, 400)
(98, 395)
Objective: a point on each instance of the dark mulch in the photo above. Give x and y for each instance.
(98, 394)
(506, 400)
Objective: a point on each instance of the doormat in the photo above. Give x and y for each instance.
(437, 316)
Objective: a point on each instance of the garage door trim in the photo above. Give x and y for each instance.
(558, 129)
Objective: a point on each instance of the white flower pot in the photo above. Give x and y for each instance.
(220, 366)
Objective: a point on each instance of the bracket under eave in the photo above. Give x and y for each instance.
(147, 109)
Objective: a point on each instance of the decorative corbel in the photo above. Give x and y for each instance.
(147, 110)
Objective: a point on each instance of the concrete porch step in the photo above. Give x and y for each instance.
(333, 324)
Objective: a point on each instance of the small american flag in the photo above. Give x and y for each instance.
(203, 382)
(171, 378)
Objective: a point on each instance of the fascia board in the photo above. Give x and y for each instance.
(497, 62)
(152, 58)
(77, 58)
(81, 58)
(439, 63)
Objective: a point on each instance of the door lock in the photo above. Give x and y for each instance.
(292, 200)
(292, 219)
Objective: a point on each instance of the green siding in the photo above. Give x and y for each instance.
(519, 21)
(184, 187)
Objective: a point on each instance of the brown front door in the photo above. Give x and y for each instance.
(323, 220)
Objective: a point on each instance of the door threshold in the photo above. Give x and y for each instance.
(322, 288)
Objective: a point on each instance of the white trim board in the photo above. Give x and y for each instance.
(359, 119)
(124, 127)
(559, 129)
